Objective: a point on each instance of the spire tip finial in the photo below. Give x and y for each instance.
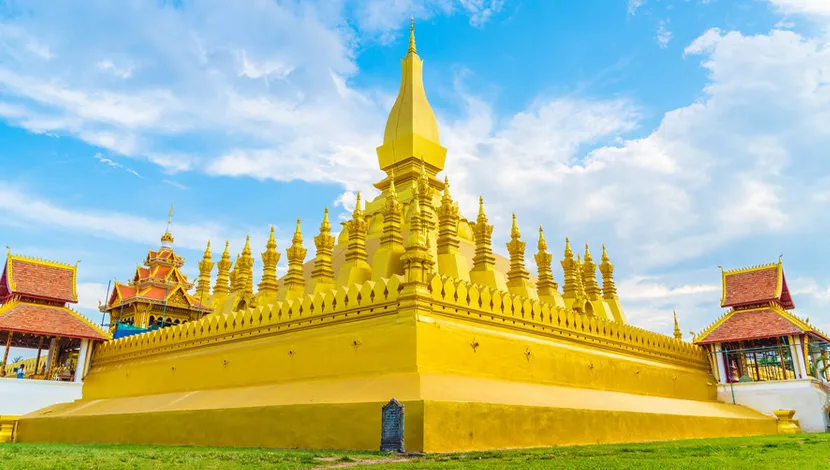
(412, 35)
(167, 237)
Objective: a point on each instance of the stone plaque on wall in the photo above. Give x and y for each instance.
(391, 428)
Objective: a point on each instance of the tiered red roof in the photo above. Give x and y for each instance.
(159, 280)
(39, 279)
(34, 294)
(756, 285)
(759, 301)
(124, 293)
(744, 325)
(164, 255)
(49, 320)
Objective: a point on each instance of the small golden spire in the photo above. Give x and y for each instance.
(322, 274)
(545, 284)
(412, 35)
(543, 244)
(482, 218)
(357, 210)
(514, 231)
(270, 257)
(609, 290)
(226, 255)
(246, 250)
(446, 198)
(167, 237)
(205, 267)
(293, 284)
(298, 235)
(518, 277)
(325, 226)
(677, 334)
(568, 252)
(272, 242)
(589, 276)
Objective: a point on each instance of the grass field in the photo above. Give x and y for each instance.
(804, 451)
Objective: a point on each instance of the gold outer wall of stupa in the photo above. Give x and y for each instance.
(482, 355)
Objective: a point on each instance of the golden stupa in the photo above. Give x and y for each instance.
(410, 304)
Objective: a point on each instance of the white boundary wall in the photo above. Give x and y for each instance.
(21, 396)
(803, 395)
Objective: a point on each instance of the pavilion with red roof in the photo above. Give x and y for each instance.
(157, 294)
(760, 341)
(34, 312)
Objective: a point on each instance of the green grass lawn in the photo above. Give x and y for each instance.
(803, 451)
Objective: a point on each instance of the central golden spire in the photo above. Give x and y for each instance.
(411, 130)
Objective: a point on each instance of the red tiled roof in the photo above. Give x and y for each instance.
(152, 292)
(166, 254)
(5, 289)
(141, 273)
(41, 279)
(751, 324)
(756, 285)
(47, 320)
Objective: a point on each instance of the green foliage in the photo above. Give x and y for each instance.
(803, 451)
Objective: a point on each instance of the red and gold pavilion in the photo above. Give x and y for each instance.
(158, 294)
(34, 313)
(759, 338)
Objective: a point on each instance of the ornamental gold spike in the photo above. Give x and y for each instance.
(514, 231)
(677, 334)
(358, 212)
(543, 244)
(325, 226)
(246, 250)
(412, 35)
(482, 218)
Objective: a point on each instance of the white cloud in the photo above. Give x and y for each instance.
(90, 293)
(647, 289)
(634, 5)
(30, 208)
(384, 17)
(109, 67)
(252, 69)
(808, 7)
(111, 163)
(174, 184)
(663, 36)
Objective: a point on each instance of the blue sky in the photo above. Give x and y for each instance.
(684, 134)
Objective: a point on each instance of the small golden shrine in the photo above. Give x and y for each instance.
(157, 295)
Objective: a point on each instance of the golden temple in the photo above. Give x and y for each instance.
(409, 303)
